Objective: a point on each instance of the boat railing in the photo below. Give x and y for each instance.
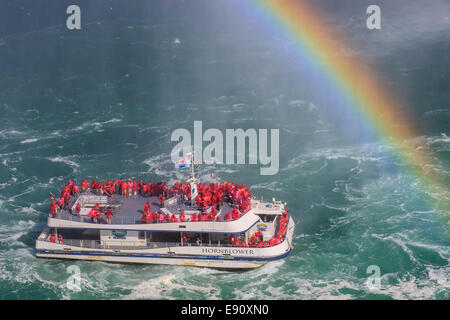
(96, 244)
(113, 220)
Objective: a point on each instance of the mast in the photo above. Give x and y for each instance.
(193, 181)
(192, 162)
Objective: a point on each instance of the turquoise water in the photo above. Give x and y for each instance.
(103, 101)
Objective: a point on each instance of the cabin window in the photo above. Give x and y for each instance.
(141, 235)
(267, 217)
(166, 237)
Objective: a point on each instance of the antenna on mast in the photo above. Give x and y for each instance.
(192, 155)
(193, 181)
(192, 162)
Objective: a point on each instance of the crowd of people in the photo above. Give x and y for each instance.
(52, 238)
(257, 239)
(70, 189)
(125, 187)
(209, 199)
(96, 213)
(208, 195)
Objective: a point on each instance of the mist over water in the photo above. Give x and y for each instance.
(102, 102)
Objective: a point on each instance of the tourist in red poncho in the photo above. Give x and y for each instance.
(182, 217)
(130, 187)
(123, 187)
(161, 217)
(98, 215)
(109, 214)
(78, 208)
(60, 238)
(91, 214)
(146, 217)
(147, 206)
(52, 238)
(161, 198)
(272, 242)
(144, 189)
(134, 187)
(66, 198)
(75, 189)
(185, 239)
(53, 208)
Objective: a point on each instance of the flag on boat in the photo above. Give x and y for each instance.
(183, 163)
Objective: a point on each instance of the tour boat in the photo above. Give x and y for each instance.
(126, 221)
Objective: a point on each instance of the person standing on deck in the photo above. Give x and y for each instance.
(185, 239)
(53, 208)
(182, 217)
(108, 215)
(66, 199)
(52, 238)
(161, 198)
(130, 187)
(75, 189)
(124, 187)
(98, 215)
(78, 208)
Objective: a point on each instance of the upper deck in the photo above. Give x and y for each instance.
(128, 211)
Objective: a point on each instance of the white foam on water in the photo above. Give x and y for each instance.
(437, 112)
(272, 186)
(361, 154)
(29, 140)
(410, 287)
(134, 145)
(403, 241)
(297, 103)
(166, 286)
(30, 211)
(8, 133)
(22, 225)
(95, 125)
(13, 239)
(258, 278)
(323, 289)
(65, 160)
(10, 234)
(300, 288)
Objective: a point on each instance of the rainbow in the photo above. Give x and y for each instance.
(365, 94)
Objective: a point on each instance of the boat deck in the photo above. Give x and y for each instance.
(129, 209)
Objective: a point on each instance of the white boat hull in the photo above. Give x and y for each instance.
(198, 256)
